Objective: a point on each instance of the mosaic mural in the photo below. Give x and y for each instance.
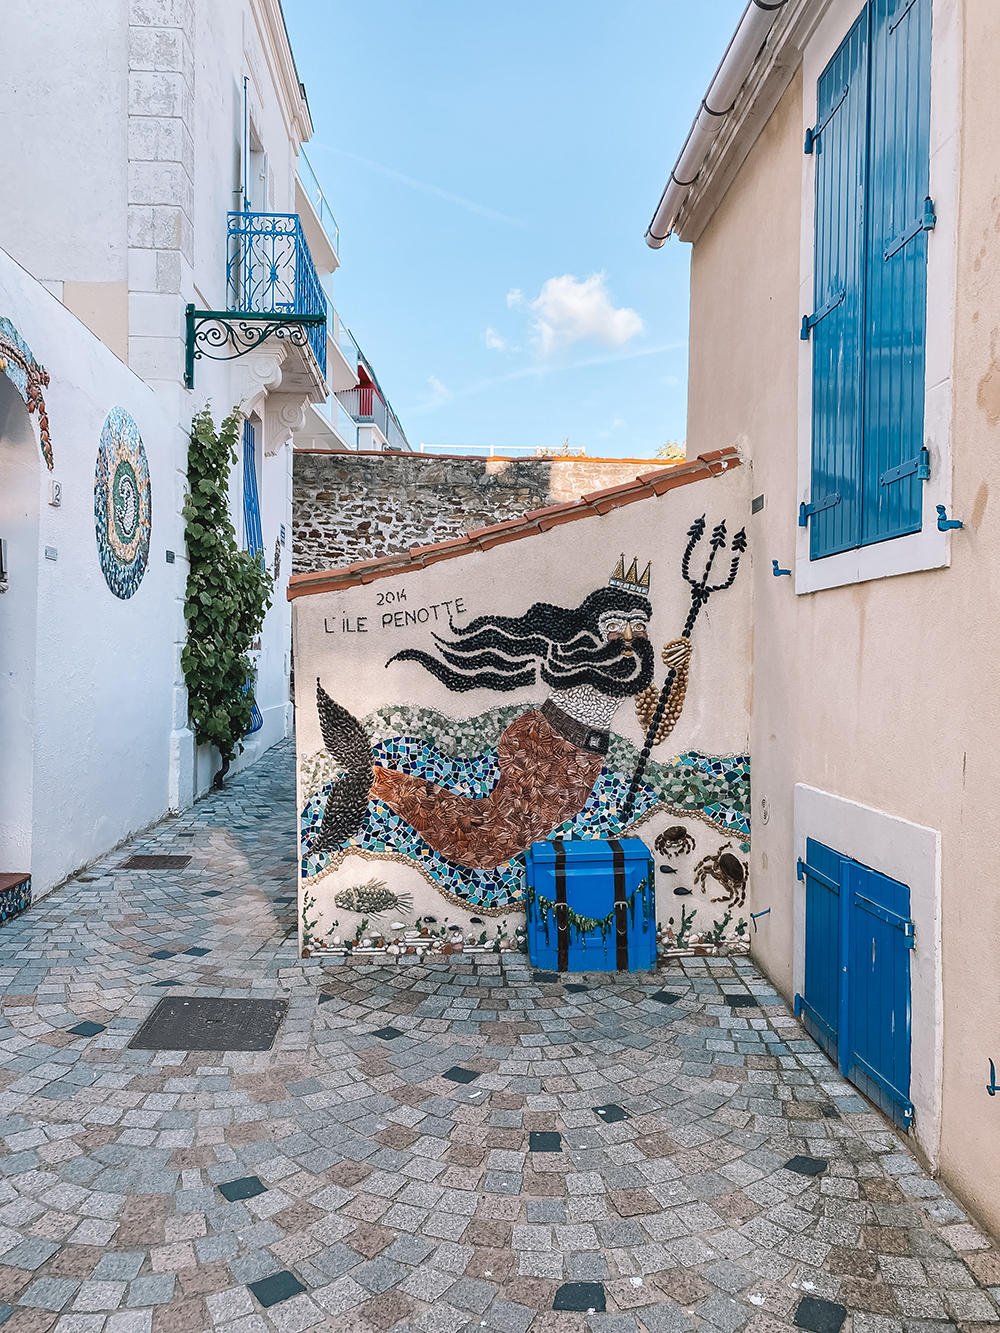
(28, 378)
(123, 507)
(463, 800)
(15, 895)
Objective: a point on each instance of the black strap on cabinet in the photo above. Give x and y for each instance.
(561, 908)
(621, 907)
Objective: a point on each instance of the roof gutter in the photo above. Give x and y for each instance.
(744, 48)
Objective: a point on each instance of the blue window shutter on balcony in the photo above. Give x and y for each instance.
(841, 156)
(899, 151)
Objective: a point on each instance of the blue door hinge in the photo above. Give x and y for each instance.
(913, 467)
(806, 511)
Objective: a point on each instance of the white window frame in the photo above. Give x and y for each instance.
(929, 548)
(911, 854)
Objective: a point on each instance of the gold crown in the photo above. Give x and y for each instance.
(631, 582)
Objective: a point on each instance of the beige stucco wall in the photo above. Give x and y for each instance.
(560, 566)
(883, 693)
(742, 392)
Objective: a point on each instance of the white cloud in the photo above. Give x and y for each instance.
(438, 396)
(493, 340)
(567, 311)
(515, 299)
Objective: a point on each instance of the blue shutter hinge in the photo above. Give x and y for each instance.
(913, 467)
(778, 572)
(944, 522)
(926, 222)
(807, 511)
(991, 1087)
(809, 320)
(800, 869)
(812, 134)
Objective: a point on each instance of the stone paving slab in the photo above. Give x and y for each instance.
(454, 1177)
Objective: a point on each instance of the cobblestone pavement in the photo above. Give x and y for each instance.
(420, 1149)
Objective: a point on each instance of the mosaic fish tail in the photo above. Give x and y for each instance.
(348, 745)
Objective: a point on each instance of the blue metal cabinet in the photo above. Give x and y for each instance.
(591, 906)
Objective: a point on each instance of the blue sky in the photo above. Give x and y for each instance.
(493, 169)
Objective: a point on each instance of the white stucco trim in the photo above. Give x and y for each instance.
(911, 854)
(929, 548)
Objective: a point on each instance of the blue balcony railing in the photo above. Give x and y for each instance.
(269, 270)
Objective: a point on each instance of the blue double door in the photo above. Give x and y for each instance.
(856, 999)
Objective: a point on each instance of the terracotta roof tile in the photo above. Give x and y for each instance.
(645, 486)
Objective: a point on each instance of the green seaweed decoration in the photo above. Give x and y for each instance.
(715, 935)
(586, 925)
(687, 919)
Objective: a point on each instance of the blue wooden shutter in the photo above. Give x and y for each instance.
(875, 1049)
(841, 152)
(898, 170)
(253, 537)
(820, 1003)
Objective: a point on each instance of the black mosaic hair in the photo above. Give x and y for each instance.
(560, 644)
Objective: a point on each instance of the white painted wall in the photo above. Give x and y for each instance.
(103, 668)
(121, 158)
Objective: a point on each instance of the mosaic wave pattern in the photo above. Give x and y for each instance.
(17, 362)
(713, 786)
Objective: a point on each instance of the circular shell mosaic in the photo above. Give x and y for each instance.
(123, 506)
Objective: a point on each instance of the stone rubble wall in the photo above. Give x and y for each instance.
(349, 507)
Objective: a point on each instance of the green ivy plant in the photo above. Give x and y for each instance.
(228, 592)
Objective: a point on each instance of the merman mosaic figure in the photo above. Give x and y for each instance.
(592, 657)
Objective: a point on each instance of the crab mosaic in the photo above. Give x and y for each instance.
(728, 871)
(674, 840)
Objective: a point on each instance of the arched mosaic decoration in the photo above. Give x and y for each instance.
(28, 378)
(123, 506)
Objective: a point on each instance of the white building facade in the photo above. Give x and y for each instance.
(153, 175)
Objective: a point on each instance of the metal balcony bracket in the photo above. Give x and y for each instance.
(224, 335)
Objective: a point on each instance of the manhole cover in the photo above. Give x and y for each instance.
(156, 863)
(183, 1023)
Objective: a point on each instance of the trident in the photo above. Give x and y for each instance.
(700, 593)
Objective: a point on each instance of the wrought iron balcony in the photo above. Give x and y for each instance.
(269, 271)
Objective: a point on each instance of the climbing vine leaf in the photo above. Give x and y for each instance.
(228, 592)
